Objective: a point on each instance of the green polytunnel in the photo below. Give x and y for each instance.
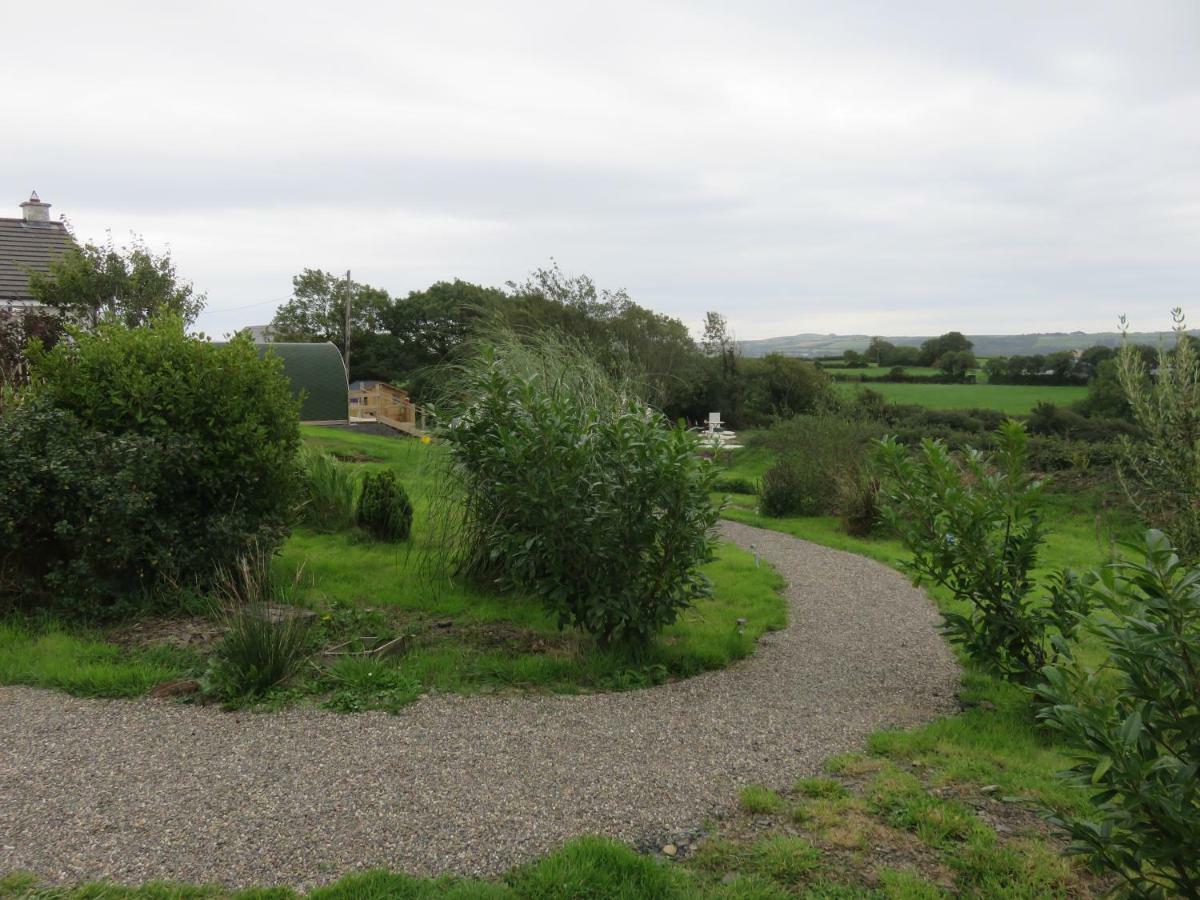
(317, 374)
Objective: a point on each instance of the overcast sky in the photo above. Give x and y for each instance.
(877, 167)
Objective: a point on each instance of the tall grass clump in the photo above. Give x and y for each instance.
(330, 491)
(261, 648)
(569, 488)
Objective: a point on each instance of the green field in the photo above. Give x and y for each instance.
(1015, 399)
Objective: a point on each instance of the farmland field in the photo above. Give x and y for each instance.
(1015, 399)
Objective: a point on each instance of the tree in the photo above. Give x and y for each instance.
(957, 363)
(902, 356)
(652, 350)
(1105, 397)
(996, 367)
(1093, 356)
(879, 351)
(317, 310)
(782, 386)
(854, 360)
(935, 348)
(130, 284)
(718, 342)
(1061, 363)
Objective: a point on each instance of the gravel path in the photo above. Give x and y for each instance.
(131, 791)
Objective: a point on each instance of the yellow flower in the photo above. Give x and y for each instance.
(425, 439)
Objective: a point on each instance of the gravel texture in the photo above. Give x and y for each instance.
(132, 791)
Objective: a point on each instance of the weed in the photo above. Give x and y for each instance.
(758, 799)
(820, 787)
(261, 648)
(785, 859)
(360, 683)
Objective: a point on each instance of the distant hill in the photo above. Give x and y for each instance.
(985, 344)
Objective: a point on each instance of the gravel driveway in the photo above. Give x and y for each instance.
(132, 791)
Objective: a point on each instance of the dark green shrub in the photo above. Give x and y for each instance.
(186, 456)
(572, 490)
(794, 486)
(974, 526)
(79, 529)
(815, 454)
(734, 486)
(1135, 727)
(384, 509)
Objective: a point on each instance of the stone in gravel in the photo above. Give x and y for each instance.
(670, 849)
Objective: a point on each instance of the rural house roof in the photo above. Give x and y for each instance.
(30, 242)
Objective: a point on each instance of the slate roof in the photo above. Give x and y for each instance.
(27, 245)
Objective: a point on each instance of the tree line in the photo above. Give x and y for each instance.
(410, 341)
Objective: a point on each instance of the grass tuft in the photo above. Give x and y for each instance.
(758, 799)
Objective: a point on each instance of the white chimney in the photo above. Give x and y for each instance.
(34, 210)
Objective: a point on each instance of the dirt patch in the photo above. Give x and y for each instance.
(357, 457)
(503, 636)
(188, 632)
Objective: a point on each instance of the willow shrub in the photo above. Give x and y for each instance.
(570, 489)
(1161, 469)
(973, 524)
(1134, 726)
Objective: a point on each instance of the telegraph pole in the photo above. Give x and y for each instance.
(346, 345)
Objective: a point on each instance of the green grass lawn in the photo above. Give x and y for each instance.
(459, 637)
(1014, 399)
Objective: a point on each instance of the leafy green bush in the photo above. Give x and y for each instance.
(260, 649)
(79, 530)
(571, 489)
(734, 486)
(815, 454)
(1161, 470)
(331, 491)
(384, 509)
(974, 527)
(163, 457)
(793, 488)
(1135, 727)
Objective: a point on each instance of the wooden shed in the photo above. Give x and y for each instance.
(382, 402)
